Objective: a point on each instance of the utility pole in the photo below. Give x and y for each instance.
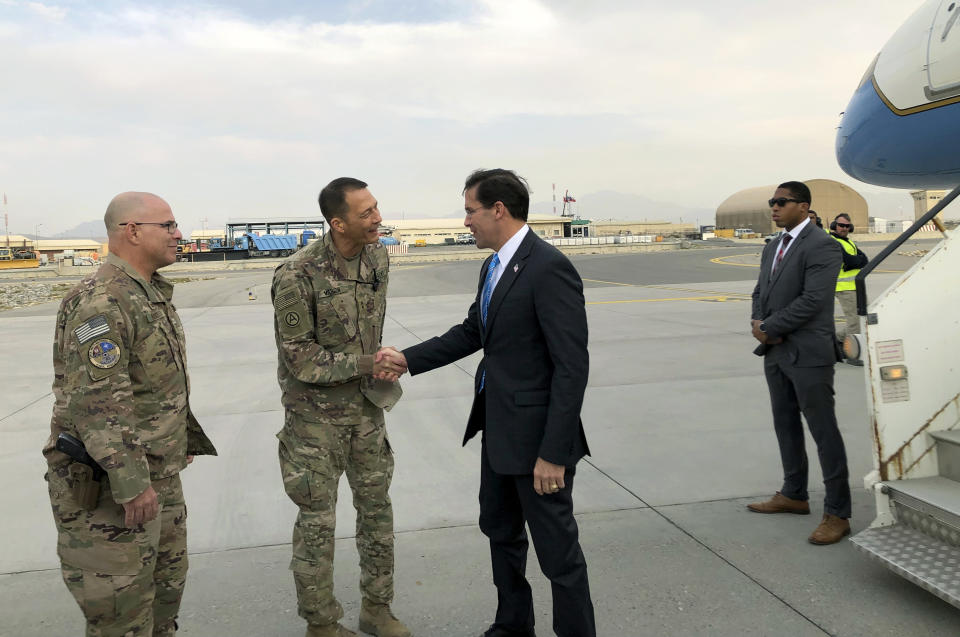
(6, 218)
(203, 234)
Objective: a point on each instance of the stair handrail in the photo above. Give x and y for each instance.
(860, 279)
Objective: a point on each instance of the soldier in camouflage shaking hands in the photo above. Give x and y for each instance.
(122, 430)
(329, 304)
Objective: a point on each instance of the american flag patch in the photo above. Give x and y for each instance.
(286, 299)
(91, 329)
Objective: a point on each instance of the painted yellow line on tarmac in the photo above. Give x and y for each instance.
(665, 287)
(722, 261)
(679, 298)
(679, 289)
(629, 285)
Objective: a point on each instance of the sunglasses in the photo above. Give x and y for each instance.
(781, 201)
(844, 225)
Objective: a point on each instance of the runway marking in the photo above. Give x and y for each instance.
(712, 299)
(722, 261)
(629, 285)
(747, 295)
(667, 287)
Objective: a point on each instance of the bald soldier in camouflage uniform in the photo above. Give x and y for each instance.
(330, 302)
(121, 388)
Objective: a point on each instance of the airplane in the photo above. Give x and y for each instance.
(902, 130)
(902, 126)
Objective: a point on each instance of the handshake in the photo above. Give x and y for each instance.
(389, 364)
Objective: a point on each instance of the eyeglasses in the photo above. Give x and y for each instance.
(844, 225)
(471, 211)
(781, 201)
(171, 226)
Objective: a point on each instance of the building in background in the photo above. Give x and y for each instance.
(749, 209)
(53, 249)
(441, 231)
(924, 200)
(639, 228)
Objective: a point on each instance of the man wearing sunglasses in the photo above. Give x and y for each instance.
(121, 390)
(853, 260)
(792, 318)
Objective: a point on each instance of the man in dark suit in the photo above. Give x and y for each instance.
(529, 319)
(792, 318)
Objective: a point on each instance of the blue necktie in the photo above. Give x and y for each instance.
(488, 288)
(485, 301)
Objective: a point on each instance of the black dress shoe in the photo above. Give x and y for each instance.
(499, 630)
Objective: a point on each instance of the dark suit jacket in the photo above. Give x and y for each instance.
(535, 357)
(796, 302)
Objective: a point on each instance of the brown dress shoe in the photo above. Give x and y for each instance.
(780, 503)
(831, 530)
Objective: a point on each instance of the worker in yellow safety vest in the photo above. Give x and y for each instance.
(853, 260)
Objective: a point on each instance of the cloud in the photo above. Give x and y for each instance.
(691, 101)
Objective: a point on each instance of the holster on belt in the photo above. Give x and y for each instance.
(84, 488)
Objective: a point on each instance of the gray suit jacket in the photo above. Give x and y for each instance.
(796, 301)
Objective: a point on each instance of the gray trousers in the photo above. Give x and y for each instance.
(808, 391)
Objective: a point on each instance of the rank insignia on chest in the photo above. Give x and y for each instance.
(91, 329)
(104, 353)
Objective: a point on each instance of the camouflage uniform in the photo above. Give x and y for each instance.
(329, 314)
(121, 387)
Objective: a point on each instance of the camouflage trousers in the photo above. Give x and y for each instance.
(313, 456)
(126, 581)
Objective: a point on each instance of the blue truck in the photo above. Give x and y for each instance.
(251, 246)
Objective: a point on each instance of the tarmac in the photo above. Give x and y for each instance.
(678, 421)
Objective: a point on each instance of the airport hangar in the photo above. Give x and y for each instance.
(749, 209)
(53, 247)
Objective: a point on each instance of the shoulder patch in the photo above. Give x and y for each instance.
(92, 328)
(104, 353)
(286, 299)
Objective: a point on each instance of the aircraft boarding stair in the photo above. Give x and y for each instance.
(911, 346)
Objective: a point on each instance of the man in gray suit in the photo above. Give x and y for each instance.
(792, 318)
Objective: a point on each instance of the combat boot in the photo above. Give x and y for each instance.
(377, 620)
(329, 630)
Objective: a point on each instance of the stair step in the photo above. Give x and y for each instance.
(937, 492)
(926, 562)
(950, 436)
(948, 453)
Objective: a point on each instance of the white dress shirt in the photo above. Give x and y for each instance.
(506, 252)
(797, 229)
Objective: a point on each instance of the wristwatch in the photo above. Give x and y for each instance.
(763, 327)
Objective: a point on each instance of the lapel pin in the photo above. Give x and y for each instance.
(516, 267)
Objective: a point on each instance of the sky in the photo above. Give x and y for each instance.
(247, 108)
